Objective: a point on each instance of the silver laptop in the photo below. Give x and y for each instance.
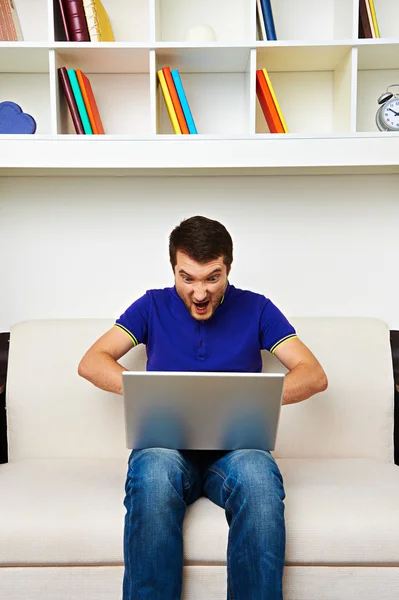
(201, 411)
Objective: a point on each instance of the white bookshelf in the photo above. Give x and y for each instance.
(326, 79)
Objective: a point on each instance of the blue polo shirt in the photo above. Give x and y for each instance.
(243, 324)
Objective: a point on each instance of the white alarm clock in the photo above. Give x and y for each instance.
(387, 117)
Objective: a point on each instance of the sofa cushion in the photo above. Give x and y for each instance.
(70, 511)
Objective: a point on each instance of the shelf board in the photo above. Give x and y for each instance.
(204, 155)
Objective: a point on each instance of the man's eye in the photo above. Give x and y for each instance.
(187, 279)
(212, 279)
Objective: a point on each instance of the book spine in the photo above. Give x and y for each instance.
(260, 21)
(3, 31)
(64, 20)
(268, 19)
(79, 101)
(370, 18)
(175, 99)
(8, 23)
(73, 109)
(276, 104)
(374, 18)
(168, 102)
(92, 20)
(267, 104)
(363, 16)
(183, 101)
(76, 18)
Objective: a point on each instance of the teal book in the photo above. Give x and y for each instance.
(183, 101)
(79, 101)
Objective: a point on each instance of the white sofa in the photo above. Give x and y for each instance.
(61, 494)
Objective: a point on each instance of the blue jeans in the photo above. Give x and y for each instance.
(161, 483)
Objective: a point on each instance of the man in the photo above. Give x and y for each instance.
(203, 323)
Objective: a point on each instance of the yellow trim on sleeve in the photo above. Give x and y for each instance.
(134, 339)
(281, 342)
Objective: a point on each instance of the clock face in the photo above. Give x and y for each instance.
(390, 114)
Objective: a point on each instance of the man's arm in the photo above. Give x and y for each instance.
(99, 364)
(306, 376)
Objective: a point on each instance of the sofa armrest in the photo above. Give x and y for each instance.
(394, 337)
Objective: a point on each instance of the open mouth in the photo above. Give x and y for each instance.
(201, 307)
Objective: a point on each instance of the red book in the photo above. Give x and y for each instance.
(64, 20)
(76, 20)
(90, 102)
(267, 103)
(70, 98)
(175, 100)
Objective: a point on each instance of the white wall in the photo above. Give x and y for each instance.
(78, 247)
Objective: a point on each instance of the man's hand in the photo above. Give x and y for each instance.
(306, 376)
(99, 365)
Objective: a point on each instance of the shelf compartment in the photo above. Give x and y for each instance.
(34, 19)
(378, 68)
(129, 19)
(24, 79)
(121, 85)
(310, 20)
(231, 21)
(314, 87)
(217, 85)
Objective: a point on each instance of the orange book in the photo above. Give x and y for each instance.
(175, 100)
(267, 103)
(90, 102)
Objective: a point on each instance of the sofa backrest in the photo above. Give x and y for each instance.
(52, 412)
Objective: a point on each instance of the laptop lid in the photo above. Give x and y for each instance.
(201, 411)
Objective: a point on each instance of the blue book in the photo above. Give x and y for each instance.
(183, 101)
(268, 19)
(79, 101)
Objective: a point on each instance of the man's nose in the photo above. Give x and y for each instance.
(200, 292)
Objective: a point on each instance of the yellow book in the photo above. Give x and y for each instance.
(374, 17)
(168, 102)
(280, 114)
(98, 22)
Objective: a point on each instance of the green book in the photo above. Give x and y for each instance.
(79, 101)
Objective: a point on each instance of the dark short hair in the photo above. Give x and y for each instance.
(202, 240)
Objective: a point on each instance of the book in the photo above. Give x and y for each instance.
(364, 19)
(168, 102)
(370, 18)
(76, 20)
(98, 22)
(260, 21)
(374, 17)
(70, 98)
(64, 20)
(175, 99)
(267, 104)
(79, 101)
(268, 19)
(276, 104)
(90, 102)
(183, 101)
(10, 28)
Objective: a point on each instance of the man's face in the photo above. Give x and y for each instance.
(200, 285)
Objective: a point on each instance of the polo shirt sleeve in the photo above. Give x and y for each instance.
(134, 321)
(275, 329)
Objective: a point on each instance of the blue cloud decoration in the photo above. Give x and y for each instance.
(14, 120)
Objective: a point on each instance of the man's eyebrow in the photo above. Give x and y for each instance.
(217, 270)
